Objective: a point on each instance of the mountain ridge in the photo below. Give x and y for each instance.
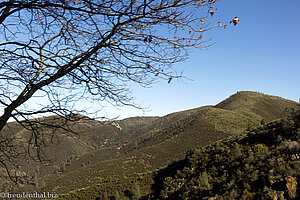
(220, 123)
(153, 142)
(261, 163)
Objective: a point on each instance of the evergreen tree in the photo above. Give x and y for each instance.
(136, 190)
(237, 150)
(117, 195)
(203, 181)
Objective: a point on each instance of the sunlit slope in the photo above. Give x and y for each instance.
(257, 105)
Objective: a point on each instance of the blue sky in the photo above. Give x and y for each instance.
(262, 53)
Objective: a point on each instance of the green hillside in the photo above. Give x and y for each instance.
(172, 136)
(262, 163)
(96, 152)
(257, 105)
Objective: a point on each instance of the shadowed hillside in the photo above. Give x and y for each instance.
(80, 137)
(263, 163)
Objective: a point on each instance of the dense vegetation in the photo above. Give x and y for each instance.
(263, 163)
(260, 163)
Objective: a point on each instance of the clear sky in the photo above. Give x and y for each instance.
(262, 53)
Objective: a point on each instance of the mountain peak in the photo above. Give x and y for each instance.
(257, 105)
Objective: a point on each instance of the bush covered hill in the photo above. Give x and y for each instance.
(97, 151)
(260, 163)
(159, 142)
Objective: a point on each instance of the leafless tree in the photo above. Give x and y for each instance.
(65, 51)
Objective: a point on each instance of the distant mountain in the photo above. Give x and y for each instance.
(257, 105)
(98, 151)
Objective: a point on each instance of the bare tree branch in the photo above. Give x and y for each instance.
(66, 51)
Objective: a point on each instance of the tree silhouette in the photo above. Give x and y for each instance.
(64, 51)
